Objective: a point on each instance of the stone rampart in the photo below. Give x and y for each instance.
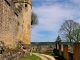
(15, 22)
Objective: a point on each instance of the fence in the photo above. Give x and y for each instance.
(64, 50)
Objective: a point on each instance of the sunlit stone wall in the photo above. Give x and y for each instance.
(15, 22)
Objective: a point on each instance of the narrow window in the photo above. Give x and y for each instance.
(25, 5)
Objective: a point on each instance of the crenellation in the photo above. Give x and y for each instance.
(21, 1)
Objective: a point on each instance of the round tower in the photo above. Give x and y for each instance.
(27, 22)
(23, 11)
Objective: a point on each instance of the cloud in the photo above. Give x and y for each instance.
(76, 1)
(43, 2)
(51, 18)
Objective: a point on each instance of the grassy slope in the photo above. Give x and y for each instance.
(33, 57)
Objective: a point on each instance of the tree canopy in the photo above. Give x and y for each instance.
(67, 30)
(34, 19)
(75, 35)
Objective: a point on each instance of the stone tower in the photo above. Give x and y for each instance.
(24, 19)
(15, 21)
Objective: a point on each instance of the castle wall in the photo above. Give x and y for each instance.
(27, 24)
(14, 26)
(7, 24)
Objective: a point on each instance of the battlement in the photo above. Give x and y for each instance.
(22, 1)
(18, 5)
(18, 1)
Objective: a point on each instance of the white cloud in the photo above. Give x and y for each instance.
(51, 17)
(76, 1)
(45, 0)
(78, 20)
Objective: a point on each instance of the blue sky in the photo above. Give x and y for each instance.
(51, 15)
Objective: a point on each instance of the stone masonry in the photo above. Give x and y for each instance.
(15, 22)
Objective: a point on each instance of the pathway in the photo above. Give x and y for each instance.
(44, 56)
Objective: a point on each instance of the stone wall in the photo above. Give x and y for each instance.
(22, 50)
(70, 54)
(15, 22)
(34, 48)
(14, 55)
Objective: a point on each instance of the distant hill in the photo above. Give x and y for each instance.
(46, 43)
(42, 43)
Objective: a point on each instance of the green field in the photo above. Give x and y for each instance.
(33, 57)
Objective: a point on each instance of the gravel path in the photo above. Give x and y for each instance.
(43, 56)
(51, 57)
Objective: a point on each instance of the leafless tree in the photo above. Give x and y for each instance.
(67, 29)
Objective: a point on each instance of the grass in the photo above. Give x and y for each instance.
(33, 57)
(34, 51)
(41, 53)
(57, 57)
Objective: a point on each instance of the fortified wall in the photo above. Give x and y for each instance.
(15, 22)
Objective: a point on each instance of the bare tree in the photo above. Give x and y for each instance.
(67, 29)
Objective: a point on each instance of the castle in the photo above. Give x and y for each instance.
(15, 21)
